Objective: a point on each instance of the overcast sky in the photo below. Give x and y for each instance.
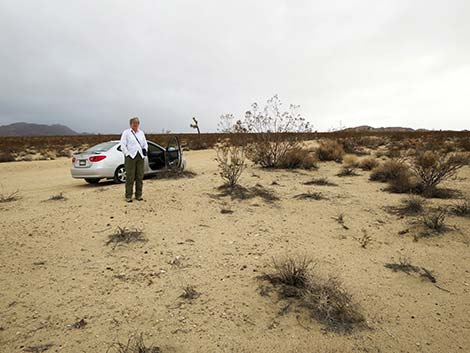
(92, 64)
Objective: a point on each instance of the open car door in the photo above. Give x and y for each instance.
(173, 154)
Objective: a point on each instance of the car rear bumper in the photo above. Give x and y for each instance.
(95, 171)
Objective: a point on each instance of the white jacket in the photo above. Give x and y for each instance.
(130, 146)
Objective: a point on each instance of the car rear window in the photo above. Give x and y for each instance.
(102, 147)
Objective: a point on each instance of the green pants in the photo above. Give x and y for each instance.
(134, 173)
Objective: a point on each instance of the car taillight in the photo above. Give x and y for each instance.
(74, 159)
(96, 158)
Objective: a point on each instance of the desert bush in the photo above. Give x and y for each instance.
(347, 171)
(330, 150)
(58, 197)
(368, 163)
(320, 181)
(9, 197)
(431, 168)
(231, 163)
(189, 292)
(135, 344)
(274, 132)
(124, 235)
(412, 205)
(326, 299)
(351, 160)
(461, 209)
(298, 158)
(6, 156)
(435, 220)
(311, 195)
(389, 170)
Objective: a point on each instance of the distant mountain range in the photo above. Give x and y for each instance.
(30, 129)
(384, 129)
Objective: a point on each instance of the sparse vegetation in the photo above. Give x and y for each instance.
(412, 205)
(124, 235)
(330, 150)
(320, 181)
(231, 163)
(431, 168)
(298, 158)
(461, 209)
(365, 240)
(273, 132)
(326, 300)
(435, 220)
(189, 292)
(243, 193)
(58, 197)
(310, 195)
(135, 344)
(389, 170)
(347, 171)
(9, 197)
(368, 163)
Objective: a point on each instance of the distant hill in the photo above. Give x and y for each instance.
(378, 129)
(30, 129)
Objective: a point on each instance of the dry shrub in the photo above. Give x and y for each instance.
(412, 205)
(135, 344)
(58, 197)
(347, 171)
(298, 158)
(190, 292)
(274, 132)
(351, 160)
(320, 181)
(231, 163)
(325, 298)
(311, 195)
(175, 174)
(431, 168)
(125, 236)
(389, 170)
(368, 163)
(239, 192)
(9, 197)
(6, 157)
(461, 209)
(435, 220)
(330, 150)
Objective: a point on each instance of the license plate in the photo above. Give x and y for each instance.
(82, 162)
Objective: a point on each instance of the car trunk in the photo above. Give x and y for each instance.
(82, 160)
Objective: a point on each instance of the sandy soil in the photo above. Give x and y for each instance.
(56, 269)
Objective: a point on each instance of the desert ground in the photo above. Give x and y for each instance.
(63, 289)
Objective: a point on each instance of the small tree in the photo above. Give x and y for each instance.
(231, 163)
(431, 168)
(275, 132)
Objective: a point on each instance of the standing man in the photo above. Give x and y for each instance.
(134, 146)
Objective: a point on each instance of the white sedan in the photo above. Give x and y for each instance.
(106, 161)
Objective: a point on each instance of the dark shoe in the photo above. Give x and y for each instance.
(139, 198)
(128, 200)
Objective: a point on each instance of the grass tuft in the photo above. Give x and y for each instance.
(125, 236)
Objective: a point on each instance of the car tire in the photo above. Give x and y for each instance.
(120, 175)
(92, 180)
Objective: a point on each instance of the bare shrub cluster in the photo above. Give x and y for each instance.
(275, 132)
(231, 162)
(135, 344)
(124, 235)
(431, 168)
(325, 298)
(298, 158)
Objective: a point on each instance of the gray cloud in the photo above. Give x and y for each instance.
(91, 65)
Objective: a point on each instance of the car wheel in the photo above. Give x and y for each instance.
(92, 180)
(120, 175)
